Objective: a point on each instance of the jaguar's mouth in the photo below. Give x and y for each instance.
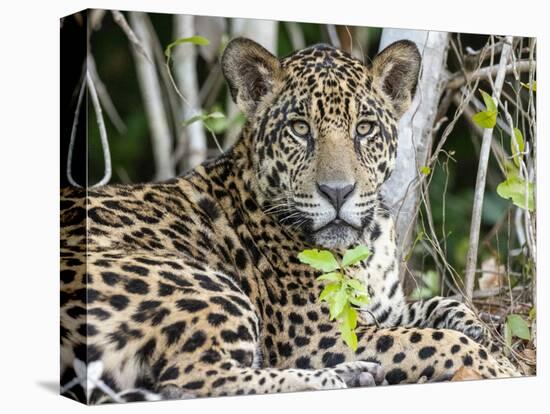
(338, 223)
(336, 234)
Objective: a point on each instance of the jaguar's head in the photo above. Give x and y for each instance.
(323, 131)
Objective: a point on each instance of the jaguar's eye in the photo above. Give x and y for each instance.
(363, 128)
(300, 128)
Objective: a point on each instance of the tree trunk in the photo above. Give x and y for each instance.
(415, 131)
(161, 138)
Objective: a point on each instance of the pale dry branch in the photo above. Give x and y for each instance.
(471, 259)
(119, 19)
(459, 79)
(73, 131)
(102, 132)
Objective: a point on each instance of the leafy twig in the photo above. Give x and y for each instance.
(343, 293)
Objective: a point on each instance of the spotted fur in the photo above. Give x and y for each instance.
(192, 287)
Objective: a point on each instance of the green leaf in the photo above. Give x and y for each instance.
(349, 317)
(489, 101)
(517, 146)
(355, 255)
(425, 170)
(339, 300)
(515, 188)
(518, 327)
(532, 314)
(220, 125)
(532, 85)
(359, 300)
(349, 336)
(319, 259)
(357, 286)
(507, 334)
(348, 323)
(203, 117)
(196, 40)
(331, 277)
(329, 291)
(488, 118)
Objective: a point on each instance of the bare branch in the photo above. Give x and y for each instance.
(73, 131)
(457, 80)
(102, 132)
(119, 19)
(471, 259)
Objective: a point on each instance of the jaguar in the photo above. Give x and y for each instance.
(191, 287)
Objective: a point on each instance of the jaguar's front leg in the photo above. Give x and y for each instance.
(406, 354)
(440, 312)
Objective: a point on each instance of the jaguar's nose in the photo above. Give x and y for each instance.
(336, 192)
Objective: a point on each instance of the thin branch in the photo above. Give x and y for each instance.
(73, 132)
(499, 152)
(458, 79)
(471, 260)
(487, 293)
(119, 19)
(102, 131)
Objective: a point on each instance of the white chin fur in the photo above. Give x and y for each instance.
(336, 237)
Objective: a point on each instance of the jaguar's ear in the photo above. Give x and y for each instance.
(396, 70)
(251, 73)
